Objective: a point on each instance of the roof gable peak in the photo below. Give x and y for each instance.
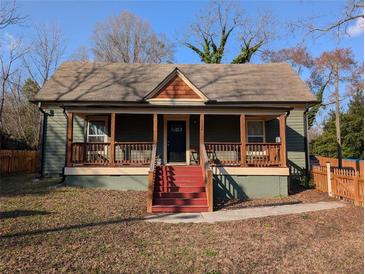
(176, 87)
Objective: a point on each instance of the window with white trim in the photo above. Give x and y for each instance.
(256, 131)
(97, 130)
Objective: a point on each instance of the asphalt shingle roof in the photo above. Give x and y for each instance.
(118, 82)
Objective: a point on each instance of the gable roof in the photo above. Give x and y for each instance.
(176, 86)
(118, 82)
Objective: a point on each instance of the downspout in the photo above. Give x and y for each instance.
(306, 142)
(41, 139)
(63, 170)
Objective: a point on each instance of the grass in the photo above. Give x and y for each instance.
(96, 231)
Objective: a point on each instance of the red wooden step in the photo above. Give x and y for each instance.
(179, 195)
(180, 189)
(180, 201)
(180, 176)
(176, 209)
(180, 183)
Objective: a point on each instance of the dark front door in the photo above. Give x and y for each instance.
(176, 141)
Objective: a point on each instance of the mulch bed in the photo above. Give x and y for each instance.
(91, 230)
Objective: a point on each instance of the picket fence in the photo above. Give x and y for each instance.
(18, 161)
(344, 183)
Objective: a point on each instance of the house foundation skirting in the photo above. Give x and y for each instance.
(98, 171)
(226, 187)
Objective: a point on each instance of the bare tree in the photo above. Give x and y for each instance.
(129, 39)
(81, 54)
(9, 58)
(353, 12)
(298, 57)
(253, 35)
(20, 116)
(47, 49)
(9, 14)
(336, 63)
(212, 30)
(216, 25)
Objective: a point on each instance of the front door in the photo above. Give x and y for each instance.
(176, 141)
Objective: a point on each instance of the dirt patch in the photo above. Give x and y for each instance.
(91, 230)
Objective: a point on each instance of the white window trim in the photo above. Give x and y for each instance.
(263, 131)
(97, 118)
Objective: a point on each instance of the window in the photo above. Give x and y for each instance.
(97, 131)
(256, 131)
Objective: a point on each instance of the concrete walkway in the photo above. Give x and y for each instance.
(241, 214)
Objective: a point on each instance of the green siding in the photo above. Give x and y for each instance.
(79, 129)
(131, 182)
(296, 142)
(55, 143)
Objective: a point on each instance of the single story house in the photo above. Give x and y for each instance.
(189, 135)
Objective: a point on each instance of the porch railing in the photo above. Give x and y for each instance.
(207, 176)
(263, 154)
(90, 153)
(257, 154)
(131, 153)
(151, 178)
(224, 154)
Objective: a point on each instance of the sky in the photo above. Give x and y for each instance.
(78, 18)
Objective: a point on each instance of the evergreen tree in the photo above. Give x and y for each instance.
(352, 128)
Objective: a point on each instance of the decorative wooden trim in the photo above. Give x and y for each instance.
(174, 73)
(282, 122)
(112, 138)
(187, 142)
(251, 171)
(243, 139)
(70, 116)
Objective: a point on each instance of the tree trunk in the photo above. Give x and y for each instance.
(338, 126)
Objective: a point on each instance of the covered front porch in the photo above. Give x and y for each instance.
(97, 139)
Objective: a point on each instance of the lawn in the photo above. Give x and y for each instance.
(47, 229)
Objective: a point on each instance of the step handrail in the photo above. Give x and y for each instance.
(207, 176)
(151, 178)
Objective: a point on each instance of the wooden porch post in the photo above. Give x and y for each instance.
(70, 116)
(155, 128)
(112, 139)
(201, 134)
(282, 122)
(243, 139)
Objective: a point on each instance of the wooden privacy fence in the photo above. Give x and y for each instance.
(344, 183)
(18, 161)
(354, 164)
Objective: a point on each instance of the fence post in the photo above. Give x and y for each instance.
(356, 187)
(329, 183)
